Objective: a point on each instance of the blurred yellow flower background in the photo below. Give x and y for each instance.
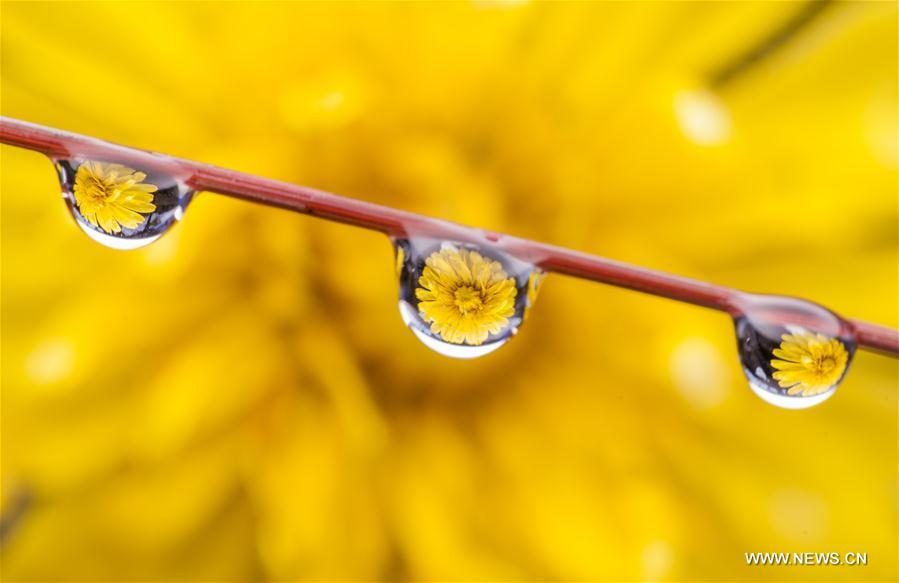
(241, 401)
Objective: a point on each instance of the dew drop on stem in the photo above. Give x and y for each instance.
(793, 352)
(462, 300)
(120, 206)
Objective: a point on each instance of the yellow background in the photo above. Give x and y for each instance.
(241, 401)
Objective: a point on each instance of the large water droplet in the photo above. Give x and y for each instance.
(120, 206)
(794, 353)
(462, 300)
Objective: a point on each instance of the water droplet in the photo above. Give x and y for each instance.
(462, 300)
(121, 206)
(794, 353)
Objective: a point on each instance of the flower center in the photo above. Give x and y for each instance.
(825, 365)
(467, 299)
(100, 191)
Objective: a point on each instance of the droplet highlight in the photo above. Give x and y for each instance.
(793, 352)
(462, 300)
(121, 206)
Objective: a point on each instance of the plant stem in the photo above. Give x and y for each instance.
(396, 223)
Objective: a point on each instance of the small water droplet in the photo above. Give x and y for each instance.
(793, 352)
(121, 206)
(462, 300)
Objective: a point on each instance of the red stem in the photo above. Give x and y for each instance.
(876, 337)
(401, 224)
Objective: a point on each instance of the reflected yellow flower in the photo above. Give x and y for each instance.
(465, 296)
(808, 364)
(535, 281)
(400, 259)
(112, 196)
